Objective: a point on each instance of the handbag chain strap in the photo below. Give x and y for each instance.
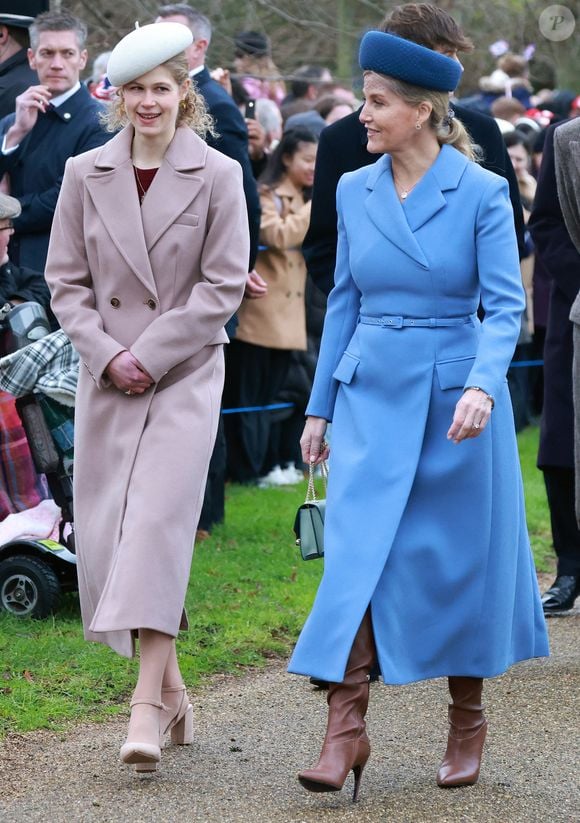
(311, 490)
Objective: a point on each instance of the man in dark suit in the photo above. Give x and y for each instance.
(15, 72)
(229, 124)
(232, 140)
(342, 145)
(54, 120)
(561, 260)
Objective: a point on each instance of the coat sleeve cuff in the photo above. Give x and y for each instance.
(96, 365)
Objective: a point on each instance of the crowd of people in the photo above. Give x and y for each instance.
(170, 209)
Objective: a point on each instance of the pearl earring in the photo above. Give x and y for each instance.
(418, 126)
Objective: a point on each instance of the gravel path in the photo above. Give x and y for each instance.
(254, 733)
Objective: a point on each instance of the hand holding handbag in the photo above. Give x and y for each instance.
(309, 521)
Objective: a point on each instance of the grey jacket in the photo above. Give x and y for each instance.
(567, 156)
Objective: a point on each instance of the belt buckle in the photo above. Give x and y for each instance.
(391, 322)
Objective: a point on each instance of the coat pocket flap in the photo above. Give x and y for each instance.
(346, 368)
(453, 374)
(186, 219)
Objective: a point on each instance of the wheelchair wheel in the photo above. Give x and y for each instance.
(28, 587)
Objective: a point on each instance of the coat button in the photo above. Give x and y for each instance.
(115, 302)
(151, 303)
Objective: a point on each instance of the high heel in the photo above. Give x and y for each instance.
(182, 729)
(467, 730)
(336, 761)
(176, 720)
(144, 755)
(179, 720)
(357, 771)
(346, 746)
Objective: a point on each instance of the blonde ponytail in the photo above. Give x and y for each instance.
(452, 132)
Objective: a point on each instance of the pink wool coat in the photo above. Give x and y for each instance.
(160, 280)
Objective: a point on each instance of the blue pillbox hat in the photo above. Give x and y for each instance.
(408, 61)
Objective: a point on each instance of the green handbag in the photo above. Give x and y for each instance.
(309, 521)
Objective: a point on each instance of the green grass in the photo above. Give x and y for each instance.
(537, 513)
(247, 600)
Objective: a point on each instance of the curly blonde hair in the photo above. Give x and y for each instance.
(449, 131)
(192, 109)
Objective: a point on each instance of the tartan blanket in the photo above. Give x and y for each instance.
(49, 366)
(20, 487)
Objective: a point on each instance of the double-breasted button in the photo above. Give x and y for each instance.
(115, 302)
(151, 303)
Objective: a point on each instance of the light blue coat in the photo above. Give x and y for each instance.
(432, 534)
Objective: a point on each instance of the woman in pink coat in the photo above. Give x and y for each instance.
(147, 262)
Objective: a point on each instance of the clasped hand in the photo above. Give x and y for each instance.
(127, 374)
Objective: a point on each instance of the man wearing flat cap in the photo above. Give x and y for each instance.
(17, 284)
(54, 120)
(16, 75)
(20, 487)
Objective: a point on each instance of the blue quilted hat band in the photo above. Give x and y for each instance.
(405, 60)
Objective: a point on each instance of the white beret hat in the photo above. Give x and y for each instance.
(144, 49)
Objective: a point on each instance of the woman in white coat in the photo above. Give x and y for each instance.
(146, 265)
(428, 568)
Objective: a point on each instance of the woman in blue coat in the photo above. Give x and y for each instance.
(428, 569)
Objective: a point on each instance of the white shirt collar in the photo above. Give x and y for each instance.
(197, 70)
(61, 98)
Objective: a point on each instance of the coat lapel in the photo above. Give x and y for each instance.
(567, 161)
(398, 221)
(174, 186)
(428, 198)
(113, 192)
(172, 190)
(291, 198)
(386, 212)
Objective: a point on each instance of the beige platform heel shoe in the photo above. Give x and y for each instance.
(144, 755)
(177, 720)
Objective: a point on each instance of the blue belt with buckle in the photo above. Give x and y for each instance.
(392, 321)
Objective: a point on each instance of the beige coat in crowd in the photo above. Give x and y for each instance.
(160, 280)
(278, 320)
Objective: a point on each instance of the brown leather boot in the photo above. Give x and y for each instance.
(468, 727)
(346, 745)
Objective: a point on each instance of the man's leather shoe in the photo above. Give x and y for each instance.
(562, 593)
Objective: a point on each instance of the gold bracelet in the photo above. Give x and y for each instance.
(478, 388)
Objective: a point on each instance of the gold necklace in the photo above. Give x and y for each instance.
(140, 190)
(403, 193)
